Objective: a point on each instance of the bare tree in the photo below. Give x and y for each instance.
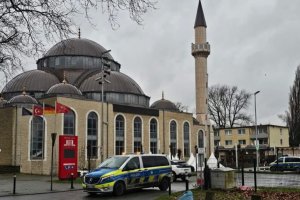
(292, 116)
(181, 107)
(226, 106)
(26, 25)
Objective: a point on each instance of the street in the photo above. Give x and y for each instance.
(145, 194)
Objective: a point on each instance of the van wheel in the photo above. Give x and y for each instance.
(119, 188)
(164, 184)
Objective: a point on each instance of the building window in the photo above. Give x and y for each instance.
(37, 138)
(69, 123)
(217, 143)
(120, 135)
(173, 137)
(92, 136)
(137, 134)
(243, 142)
(216, 133)
(280, 131)
(281, 142)
(200, 139)
(153, 136)
(241, 131)
(228, 142)
(228, 132)
(186, 137)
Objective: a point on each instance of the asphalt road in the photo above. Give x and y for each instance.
(144, 194)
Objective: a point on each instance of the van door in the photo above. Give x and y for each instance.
(133, 173)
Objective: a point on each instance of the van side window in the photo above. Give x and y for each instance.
(280, 160)
(133, 164)
(161, 161)
(154, 161)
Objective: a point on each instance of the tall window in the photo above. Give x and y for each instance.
(200, 139)
(153, 136)
(120, 135)
(69, 123)
(137, 140)
(92, 134)
(173, 137)
(37, 138)
(186, 137)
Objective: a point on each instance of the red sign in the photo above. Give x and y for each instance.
(68, 156)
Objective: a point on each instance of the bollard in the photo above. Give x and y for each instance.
(186, 182)
(170, 185)
(72, 179)
(14, 187)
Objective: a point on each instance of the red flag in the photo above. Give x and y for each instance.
(37, 110)
(60, 108)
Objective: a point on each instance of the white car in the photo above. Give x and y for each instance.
(180, 169)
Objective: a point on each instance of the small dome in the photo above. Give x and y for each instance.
(22, 99)
(33, 81)
(64, 88)
(164, 104)
(119, 83)
(77, 47)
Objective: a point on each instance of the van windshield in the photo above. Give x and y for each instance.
(113, 162)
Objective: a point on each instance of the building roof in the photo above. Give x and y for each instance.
(118, 82)
(33, 80)
(200, 19)
(64, 88)
(164, 104)
(22, 99)
(77, 47)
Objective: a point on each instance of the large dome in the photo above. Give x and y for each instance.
(77, 47)
(34, 81)
(79, 54)
(119, 82)
(119, 89)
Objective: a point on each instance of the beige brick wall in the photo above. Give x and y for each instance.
(6, 135)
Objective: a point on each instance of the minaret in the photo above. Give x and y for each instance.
(200, 51)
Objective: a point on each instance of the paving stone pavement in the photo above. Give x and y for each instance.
(33, 184)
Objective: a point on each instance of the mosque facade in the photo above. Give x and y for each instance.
(107, 110)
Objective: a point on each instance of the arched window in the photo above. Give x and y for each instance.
(120, 135)
(37, 138)
(69, 123)
(137, 134)
(92, 135)
(200, 139)
(173, 138)
(153, 136)
(186, 137)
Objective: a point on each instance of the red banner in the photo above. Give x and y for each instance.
(37, 110)
(60, 108)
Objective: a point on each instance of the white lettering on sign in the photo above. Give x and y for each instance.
(69, 143)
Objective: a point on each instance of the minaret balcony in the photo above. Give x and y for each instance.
(202, 49)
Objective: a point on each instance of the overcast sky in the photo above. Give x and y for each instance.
(255, 45)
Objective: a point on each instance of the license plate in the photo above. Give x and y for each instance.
(89, 186)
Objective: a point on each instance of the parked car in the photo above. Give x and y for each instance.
(180, 169)
(286, 163)
(120, 173)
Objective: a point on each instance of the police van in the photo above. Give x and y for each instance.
(120, 173)
(286, 163)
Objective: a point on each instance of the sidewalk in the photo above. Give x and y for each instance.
(33, 184)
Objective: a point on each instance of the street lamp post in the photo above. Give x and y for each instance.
(102, 80)
(256, 141)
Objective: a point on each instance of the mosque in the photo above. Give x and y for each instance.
(107, 110)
